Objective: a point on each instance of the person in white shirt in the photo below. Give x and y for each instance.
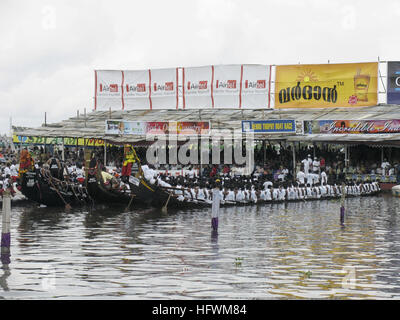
(385, 165)
(263, 195)
(240, 195)
(275, 194)
(230, 196)
(282, 193)
(310, 161)
(200, 193)
(309, 178)
(306, 165)
(315, 178)
(300, 177)
(268, 194)
(13, 170)
(7, 170)
(253, 195)
(316, 165)
(324, 177)
(309, 191)
(267, 184)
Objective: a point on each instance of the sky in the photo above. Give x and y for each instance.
(50, 49)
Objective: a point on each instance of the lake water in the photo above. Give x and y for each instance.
(274, 251)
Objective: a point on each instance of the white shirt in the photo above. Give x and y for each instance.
(253, 196)
(13, 170)
(7, 171)
(282, 194)
(316, 165)
(216, 202)
(240, 195)
(275, 194)
(79, 173)
(266, 184)
(300, 177)
(306, 165)
(324, 177)
(230, 196)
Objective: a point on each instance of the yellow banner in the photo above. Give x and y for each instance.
(326, 85)
(68, 142)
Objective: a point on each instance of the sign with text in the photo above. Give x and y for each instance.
(122, 127)
(326, 85)
(393, 82)
(269, 126)
(352, 126)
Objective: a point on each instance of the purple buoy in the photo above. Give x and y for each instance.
(5, 231)
(216, 198)
(341, 215)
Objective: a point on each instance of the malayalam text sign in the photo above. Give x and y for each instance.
(326, 85)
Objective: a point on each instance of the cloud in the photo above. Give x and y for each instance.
(49, 49)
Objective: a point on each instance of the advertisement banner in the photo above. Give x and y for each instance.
(255, 86)
(269, 126)
(393, 82)
(164, 88)
(196, 92)
(68, 142)
(122, 127)
(326, 85)
(137, 89)
(351, 126)
(226, 86)
(108, 90)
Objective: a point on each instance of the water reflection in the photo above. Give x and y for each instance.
(276, 251)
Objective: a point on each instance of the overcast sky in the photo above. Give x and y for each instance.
(49, 49)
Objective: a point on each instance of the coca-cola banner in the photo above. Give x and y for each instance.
(108, 89)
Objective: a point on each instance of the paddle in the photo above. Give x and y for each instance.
(164, 209)
(67, 205)
(130, 202)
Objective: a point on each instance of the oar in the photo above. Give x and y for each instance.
(164, 209)
(67, 205)
(130, 201)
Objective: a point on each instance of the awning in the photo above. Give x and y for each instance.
(93, 124)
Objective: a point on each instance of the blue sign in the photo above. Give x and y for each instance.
(393, 85)
(269, 126)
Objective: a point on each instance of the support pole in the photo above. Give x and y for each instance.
(264, 146)
(294, 161)
(216, 198)
(85, 115)
(342, 210)
(5, 231)
(348, 155)
(105, 153)
(63, 151)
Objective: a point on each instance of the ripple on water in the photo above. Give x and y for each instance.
(279, 251)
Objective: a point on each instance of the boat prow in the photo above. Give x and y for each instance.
(396, 190)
